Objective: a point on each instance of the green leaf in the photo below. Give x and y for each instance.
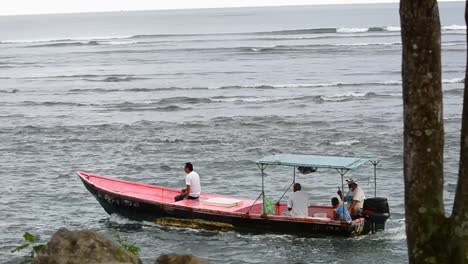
(38, 249)
(30, 237)
(133, 249)
(20, 248)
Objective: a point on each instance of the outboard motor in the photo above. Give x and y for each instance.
(376, 212)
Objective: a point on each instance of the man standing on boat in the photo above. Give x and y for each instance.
(298, 202)
(354, 198)
(193, 188)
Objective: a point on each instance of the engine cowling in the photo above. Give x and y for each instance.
(376, 212)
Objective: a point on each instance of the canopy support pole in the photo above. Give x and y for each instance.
(263, 190)
(374, 163)
(289, 187)
(248, 211)
(262, 168)
(342, 172)
(294, 174)
(285, 192)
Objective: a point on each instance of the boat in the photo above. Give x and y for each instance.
(145, 202)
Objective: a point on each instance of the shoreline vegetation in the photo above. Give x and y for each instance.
(88, 246)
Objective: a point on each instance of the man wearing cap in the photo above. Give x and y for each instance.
(193, 188)
(354, 198)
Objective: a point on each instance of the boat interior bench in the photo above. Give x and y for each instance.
(316, 211)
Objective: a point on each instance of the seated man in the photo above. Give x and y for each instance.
(192, 180)
(340, 213)
(298, 202)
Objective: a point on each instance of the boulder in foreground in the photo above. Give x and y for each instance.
(84, 246)
(179, 259)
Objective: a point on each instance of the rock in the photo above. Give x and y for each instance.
(85, 246)
(179, 259)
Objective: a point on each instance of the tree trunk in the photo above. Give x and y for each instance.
(427, 228)
(460, 207)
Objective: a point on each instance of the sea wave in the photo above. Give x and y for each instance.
(453, 27)
(253, 86)
(122, 40)
(9, 91)
(53, 103)
(315, 46)
(311, 85)
(163, 106)
(132, 90)
(142, 107)
(92, 77)
(302, 31)
(346, 96)
(65, 44)
(115, 79)
(453, 80)
(336, 48)
(345, 142)
(455, 92)
(184, 100)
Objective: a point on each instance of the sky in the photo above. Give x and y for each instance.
(21, 7)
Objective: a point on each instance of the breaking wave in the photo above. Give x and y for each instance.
(12, 91)
(140, 108)
(348, 96)
(345, 142)
(121, 40)
(93, 77)
(115, 79)
(65, 44)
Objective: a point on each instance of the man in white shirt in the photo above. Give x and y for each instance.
(298, 203)
(354, 198)
(192, 181)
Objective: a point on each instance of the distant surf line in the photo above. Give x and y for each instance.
(286, 32)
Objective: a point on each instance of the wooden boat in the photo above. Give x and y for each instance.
(138, 201)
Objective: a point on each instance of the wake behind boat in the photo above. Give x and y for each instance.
(138, 201)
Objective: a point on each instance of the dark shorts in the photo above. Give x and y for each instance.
(183, 196)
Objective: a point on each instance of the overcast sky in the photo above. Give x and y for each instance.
(16, 7)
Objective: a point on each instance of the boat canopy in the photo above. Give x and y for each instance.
(316, 161)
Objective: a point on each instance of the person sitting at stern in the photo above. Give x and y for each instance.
(340, 212)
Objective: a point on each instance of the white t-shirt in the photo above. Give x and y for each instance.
(356, 195)
(193, 179)
(299, 202)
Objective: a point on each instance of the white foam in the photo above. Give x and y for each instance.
(346, 142)
(120, 42)
(454, 27)
(454, 80)
(352, 30)
(392, 28)
(369, 44)
(343, 96)
(392, 82)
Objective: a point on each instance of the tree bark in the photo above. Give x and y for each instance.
(460, 206)
(427, 227)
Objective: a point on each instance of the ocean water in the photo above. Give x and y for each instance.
(135, 95)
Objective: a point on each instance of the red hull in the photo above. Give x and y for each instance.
(149, 202)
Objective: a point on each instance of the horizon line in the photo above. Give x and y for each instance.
(206, 8)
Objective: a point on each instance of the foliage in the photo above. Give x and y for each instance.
(124, 244)
(32, 241)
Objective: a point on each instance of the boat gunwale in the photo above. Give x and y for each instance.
(280, 218)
